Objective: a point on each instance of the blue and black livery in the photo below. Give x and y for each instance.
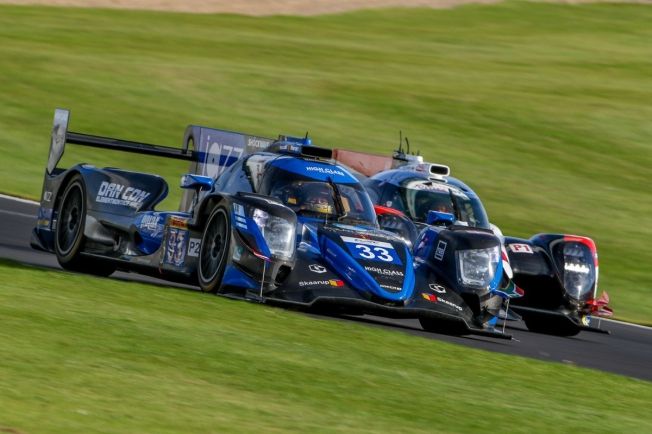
(275, 221)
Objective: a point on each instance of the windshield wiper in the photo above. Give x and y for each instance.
(456, 211)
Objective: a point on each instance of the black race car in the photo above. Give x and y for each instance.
(553, 276)
(274, 221)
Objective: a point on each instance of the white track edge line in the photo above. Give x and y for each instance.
(19, 214)
(18, 199)
(32, 202)
(595, 318)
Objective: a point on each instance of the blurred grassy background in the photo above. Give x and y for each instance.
(88, 355)
(543, 109)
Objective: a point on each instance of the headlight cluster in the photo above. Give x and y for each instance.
(576, 264)
(279, 234)
(477, 267)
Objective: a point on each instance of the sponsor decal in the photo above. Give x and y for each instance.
(290, 148)
(384, 271)
(316, 268)
(366, 241)
(325, 170)
(371, 250)
(330, 282)
(149, 222)
(453, 305)
(178, 222)
(47, 196)
(193, 247)
(441, 249)
(430, 297)
(218, 156)
(118, 194)
(239, 216)
(391, 287)
(433, 187)
(434, 299)
(175, 247)
(520, 248)
(437, 288)
(586, 320)
(254, 142)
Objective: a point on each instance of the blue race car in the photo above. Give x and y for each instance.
(276, 221)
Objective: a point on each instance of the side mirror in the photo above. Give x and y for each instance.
(438, 218)
(196, 182)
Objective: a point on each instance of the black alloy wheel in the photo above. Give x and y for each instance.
(69, 235)
(215, 245)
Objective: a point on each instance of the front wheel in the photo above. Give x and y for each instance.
(215, 245)
(550, 326)
(69, 235)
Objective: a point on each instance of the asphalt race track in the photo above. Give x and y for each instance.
(627, 351)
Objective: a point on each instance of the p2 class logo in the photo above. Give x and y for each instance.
(316, 268)
(372, 250)
(193, 247)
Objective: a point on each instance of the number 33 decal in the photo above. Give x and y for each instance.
(374, 252)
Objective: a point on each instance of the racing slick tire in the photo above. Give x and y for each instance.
(550, 326)
(69, 235)
(450, 328)
(215, 245)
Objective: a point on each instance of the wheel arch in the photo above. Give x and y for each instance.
(205, 207)
(64, 184)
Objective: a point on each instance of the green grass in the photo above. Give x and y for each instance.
(544, 109)
(81, 354)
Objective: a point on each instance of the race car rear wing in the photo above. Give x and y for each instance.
(210, 151)
(61, 136)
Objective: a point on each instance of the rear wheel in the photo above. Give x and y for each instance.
(69, 235)
(215, 245)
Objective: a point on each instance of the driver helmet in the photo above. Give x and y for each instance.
(318, 197)
(443, 207)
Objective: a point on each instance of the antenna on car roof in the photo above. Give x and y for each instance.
(400, 141)
(407, 142)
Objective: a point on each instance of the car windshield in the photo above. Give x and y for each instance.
(417, 197)
(347, 203)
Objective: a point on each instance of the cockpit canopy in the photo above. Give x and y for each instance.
(318, 190)
(416, 195)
